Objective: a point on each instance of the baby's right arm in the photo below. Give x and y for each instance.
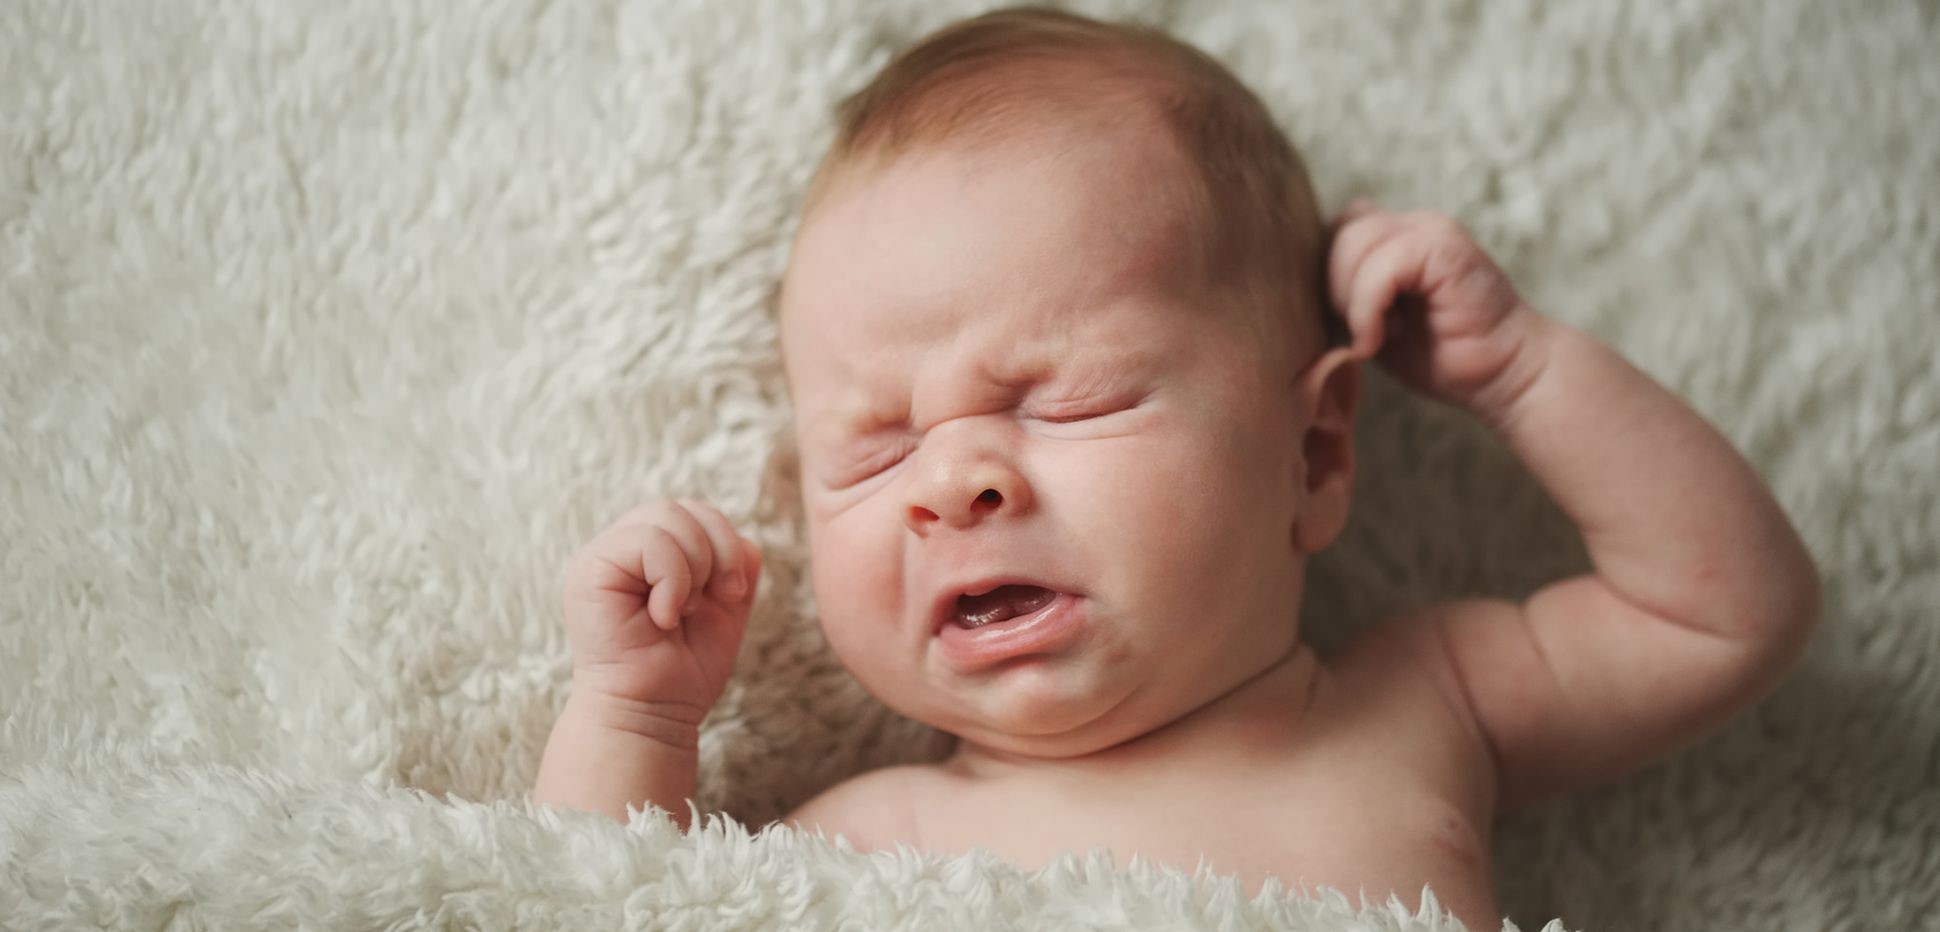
(651, 654)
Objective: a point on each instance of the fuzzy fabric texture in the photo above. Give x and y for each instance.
(328, 331)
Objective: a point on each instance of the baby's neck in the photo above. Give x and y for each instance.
(1259, 712)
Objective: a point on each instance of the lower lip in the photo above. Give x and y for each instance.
(1047, 629)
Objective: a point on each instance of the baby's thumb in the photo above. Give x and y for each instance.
(751, 560)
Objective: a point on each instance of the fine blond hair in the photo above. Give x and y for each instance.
(990, 78)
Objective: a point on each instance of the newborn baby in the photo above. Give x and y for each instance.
(1056, 330)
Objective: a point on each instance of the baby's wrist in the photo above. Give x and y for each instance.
(1498, 402)
(672, 726)
(608, 755)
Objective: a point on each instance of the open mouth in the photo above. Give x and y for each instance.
(1000, 604)
(979, 632)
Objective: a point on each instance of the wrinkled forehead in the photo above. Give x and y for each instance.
(1061, 217)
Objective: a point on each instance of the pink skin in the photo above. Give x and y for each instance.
(1007, 325)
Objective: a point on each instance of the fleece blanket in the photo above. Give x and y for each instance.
(327, 332)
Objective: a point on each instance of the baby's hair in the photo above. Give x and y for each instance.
(993, 77)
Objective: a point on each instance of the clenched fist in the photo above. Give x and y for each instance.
(656, 605)
(1420, 297)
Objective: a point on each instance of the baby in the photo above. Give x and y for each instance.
(1056, 330)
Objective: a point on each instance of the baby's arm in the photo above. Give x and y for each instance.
(655, 609)
(1702, 596)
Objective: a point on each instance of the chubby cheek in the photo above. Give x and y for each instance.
(1192, 527)
(858, 589)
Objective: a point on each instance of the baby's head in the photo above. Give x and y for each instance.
(1054, 315)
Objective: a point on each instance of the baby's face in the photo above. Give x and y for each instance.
(1002, 366)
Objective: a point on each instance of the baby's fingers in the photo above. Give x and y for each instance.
(1358, 207)
(1395, 268)
(663, 564)
(1351, 282)
(687, 531)
(729, 580)
(751, 564)
(625, 569)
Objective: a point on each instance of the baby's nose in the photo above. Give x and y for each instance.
(962, 497)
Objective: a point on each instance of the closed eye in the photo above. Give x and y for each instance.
(874, 465)
(1070, 418)
(1087, 411)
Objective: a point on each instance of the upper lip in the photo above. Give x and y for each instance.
(944, 609)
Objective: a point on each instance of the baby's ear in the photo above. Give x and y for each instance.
(1330, 394)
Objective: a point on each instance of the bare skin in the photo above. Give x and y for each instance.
(1340, 775)
(944, 316)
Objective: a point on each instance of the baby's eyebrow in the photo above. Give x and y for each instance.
(1086, 374)
(865, 414)
(859, 422)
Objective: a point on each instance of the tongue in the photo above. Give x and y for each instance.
(1001, 604)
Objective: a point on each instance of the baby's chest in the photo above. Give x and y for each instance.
(1314, 830)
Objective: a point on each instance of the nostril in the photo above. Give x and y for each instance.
(990, 497)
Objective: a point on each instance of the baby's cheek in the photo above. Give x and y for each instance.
(1157, 506)
(859, 596)
(1206, 507)
(853, 562)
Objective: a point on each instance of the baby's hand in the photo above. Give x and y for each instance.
(656, 605)
(1425, 301)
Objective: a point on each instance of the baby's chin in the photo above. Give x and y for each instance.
(1040, 708)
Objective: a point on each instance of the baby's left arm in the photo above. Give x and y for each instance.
(1702, 596)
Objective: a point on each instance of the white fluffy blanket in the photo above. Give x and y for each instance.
(328, 330)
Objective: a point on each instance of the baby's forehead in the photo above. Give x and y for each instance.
(958, 230)
(1125, 198)
(1049, 221)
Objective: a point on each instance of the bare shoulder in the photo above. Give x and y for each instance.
(1398, 683)
(1403, 657)
(873, 810)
